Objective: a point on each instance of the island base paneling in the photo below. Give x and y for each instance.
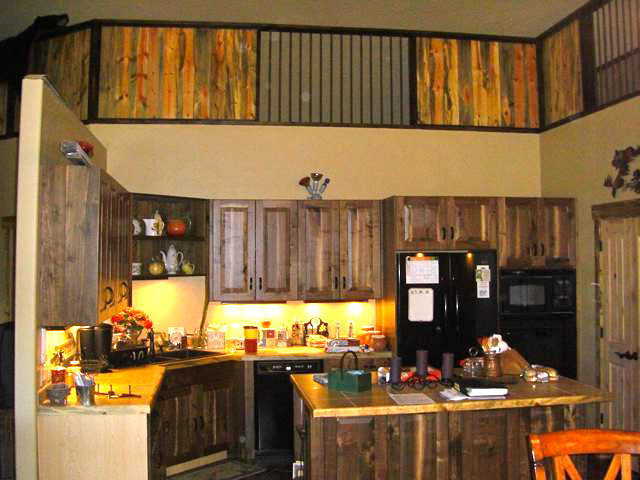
(465, 445)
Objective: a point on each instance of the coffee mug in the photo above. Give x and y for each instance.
(137, 226)
(136, 268)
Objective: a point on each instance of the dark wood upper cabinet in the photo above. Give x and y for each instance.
(277, 249)
(233, 246)
(254, 250)
(318, 246)
(339, 244)
(437, 223)
(360, 250)
(420, 222)
(85, 253)
(473, 222)
(537, 233)
(558, 236)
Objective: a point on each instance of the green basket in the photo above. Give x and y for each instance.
(349, 380)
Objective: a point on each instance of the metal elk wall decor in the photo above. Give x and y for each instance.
(621, 161)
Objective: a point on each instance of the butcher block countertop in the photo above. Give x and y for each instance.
(145, 380)
(324, 402)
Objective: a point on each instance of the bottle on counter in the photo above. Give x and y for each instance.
(351, 329)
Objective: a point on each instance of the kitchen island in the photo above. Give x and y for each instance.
(341, 435)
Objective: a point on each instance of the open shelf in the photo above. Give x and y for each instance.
(194, 244)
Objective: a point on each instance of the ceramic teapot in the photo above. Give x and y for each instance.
(172, 259)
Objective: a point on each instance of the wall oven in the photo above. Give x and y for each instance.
(537, 316)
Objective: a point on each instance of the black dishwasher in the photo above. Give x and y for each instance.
(274, 403)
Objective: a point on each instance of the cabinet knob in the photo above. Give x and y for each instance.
(542, 249)
(109, 298)
(535, 249)
(250, 283)
(335, 283)
(344, 283)
(260, 283)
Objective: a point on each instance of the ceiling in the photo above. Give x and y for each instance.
(527, 18)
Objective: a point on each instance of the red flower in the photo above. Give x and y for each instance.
(148, 324)
(117, 318)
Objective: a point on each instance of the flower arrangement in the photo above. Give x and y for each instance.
(131, 321)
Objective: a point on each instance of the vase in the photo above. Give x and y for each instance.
(133, 334)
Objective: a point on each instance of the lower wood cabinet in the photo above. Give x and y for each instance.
(194, 415)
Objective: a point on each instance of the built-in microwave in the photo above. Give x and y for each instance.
(537, 291)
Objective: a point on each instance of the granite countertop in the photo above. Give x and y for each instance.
(324, 402)
(145, 380)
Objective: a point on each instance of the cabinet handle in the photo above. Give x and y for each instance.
(250, 283)
(542, 249)
(535, 249)
(124, 290)
(201, 422)
(452, 233)
(260, 283)
(335, 283)
(444, 233)
(628, 355)
(195, 424)
(109, 299)
(344, 283)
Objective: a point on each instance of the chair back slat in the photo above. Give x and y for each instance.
(560, 445)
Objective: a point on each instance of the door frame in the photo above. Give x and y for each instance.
(600, 212)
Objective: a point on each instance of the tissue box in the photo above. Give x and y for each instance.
(349, 380)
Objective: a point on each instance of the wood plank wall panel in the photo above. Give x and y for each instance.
(65, 60)
(562, 70)
(477, 83)
(177, 73)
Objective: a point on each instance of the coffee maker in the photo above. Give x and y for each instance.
(94, 347)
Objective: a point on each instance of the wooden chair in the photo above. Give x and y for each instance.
(559, 445)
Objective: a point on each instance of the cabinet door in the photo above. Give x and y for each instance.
(518, 232)
(557, 239)
(216, 415)
(177, 428)
(108, 211)
(276, 250)
(233, 250)
(473, 222)
(360, 255)
(318, 244)
(421, 223)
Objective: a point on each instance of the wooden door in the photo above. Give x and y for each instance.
(216, 415)
(518, 219)
(421, 223)
(318, 246)
(360, 254)
(177, 429)
(276, 250)
(619, 289)
(557, 238)
(107, 226)
(233, 257)
(473, 222)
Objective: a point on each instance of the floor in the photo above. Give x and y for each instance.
(273, 469)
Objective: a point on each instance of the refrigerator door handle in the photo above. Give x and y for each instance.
(446, 301)
(457, 313)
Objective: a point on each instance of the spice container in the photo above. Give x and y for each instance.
(251, 339)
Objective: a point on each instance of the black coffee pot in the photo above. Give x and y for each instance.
(94, 345)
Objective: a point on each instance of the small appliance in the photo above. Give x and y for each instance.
(94, 345)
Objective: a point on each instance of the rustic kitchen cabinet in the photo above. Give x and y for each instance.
(194, 244)
(537, 233)
(437, 223)
(85, 254)
(339, 249)
(193, 416)
(255, 251)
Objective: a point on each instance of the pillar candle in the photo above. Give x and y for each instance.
(396, 365)
(447, 365)
(422, 360)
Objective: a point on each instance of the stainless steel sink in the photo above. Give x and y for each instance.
(179, 355)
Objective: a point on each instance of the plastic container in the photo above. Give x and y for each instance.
(251, 339)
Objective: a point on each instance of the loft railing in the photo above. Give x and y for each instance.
(195, 72)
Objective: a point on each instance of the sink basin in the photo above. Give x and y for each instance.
(177, 355)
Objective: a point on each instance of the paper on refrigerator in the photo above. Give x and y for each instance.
(421, 304)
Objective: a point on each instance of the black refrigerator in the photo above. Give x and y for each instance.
(444, 301)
